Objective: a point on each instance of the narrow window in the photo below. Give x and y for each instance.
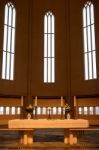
(39, 110)
(80, 110)
(44, 110)
(97, 110)
(91, 110)
(85, 110)
(9, 42)
(13, 111)
(89, 41)
(49, 48)
(7, 110)
(18, 110)
(59, 110)
(1, 110)
(54, 110)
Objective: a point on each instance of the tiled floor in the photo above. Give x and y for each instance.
(48, 139)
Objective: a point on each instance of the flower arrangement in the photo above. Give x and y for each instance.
(67, 111)
(29, 108)
(67, 108)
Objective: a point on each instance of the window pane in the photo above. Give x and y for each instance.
(88, 16)
(85, 110)
(6, 14)
(1, 110)
(53, 69)
(54, 111)
(97, 110)
(53, 46)
(92, 14)
(49, 24)
(53, 30)
(44, 110)
(13, 17)
(89, 39)
(12, 67)
(49, 70)
(7, 110)
(94, 65)
(45, 24)
(86, 66)
(91, 110)
(13, 111)
(18, 110)
(59, 110)
(90, 65)
(80, 110)
(45, 70)
(84, 17)
(85, 40)
(38, 110)
(10, 16)
(8, 66)
(5, 38)
(4, 65)
(9, 40)
(45, 45)
(49, 45)
(13, 41)
(93, 37)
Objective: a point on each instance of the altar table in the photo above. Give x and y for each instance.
(28, 125)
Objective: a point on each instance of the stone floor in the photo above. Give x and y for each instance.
(50, 139)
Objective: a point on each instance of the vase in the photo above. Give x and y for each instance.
(68, 115)
(29, 116)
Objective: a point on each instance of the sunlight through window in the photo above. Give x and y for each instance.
(9, 42)
(89, 42)
(49, 48)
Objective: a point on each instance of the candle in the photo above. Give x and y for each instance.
(35, 100)
(21, 100)
(61, 100)
(74, 101)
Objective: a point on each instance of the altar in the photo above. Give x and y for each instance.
(28, 125)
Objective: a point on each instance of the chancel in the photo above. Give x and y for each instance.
(49, 74)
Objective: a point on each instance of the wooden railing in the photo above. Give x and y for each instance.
(87, 108)
(49, 112)
(10, 108)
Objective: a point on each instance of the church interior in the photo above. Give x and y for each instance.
(49, 74)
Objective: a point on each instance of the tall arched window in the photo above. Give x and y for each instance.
(89, 41)
(9, 42)
(49, 48)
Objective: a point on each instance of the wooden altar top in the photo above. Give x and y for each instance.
(48, 123)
